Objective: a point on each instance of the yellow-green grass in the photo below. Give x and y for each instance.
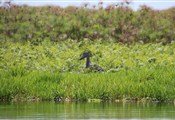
(51, 70)
(150, 83)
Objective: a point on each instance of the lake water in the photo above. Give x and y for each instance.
(51, 110)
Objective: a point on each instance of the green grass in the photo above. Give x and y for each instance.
(152, 83)
(51, 70)
(40, 49)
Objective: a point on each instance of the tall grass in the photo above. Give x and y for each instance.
(150, 83)
(40, 49)
(52, 71)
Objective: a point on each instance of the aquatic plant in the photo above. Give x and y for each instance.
(50, 70)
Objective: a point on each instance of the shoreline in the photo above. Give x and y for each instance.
(67, 100)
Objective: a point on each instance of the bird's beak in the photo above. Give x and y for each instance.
(81, 58)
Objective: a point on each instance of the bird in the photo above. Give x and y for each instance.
(86, 55)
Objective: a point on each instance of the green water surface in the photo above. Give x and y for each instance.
(51, 110)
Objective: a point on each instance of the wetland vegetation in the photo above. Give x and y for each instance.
(54, 70)
(40, 48)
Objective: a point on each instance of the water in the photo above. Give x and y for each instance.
(51, 110)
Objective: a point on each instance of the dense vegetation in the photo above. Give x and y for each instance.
(52, 70)
(120, 24)
(40, 49)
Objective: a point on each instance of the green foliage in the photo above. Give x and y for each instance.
(40, 49)
(120, 24)
(150, 83)
(19, 59)
(50, 70)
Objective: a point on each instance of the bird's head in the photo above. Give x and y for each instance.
(85, 54)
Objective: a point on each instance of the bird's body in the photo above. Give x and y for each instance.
(96, 68)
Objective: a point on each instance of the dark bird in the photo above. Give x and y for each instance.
(86, 55)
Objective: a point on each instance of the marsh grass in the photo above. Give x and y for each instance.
(49, 71)
(156, 84)
(40, 49)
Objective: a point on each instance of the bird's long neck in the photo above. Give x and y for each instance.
(88, 62)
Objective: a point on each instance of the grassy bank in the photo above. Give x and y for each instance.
(138, 84)
(53, 70)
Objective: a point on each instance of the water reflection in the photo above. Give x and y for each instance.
(52, 110)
